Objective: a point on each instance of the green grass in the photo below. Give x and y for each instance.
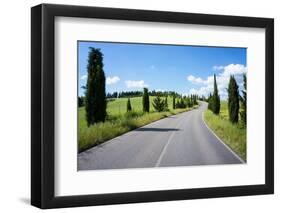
(118, 121)
(119, 106)
(234, 135)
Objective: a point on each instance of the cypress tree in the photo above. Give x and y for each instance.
(192, 99)
(174, 102)
(95, 97)
(177, 103)
(129, 107)
(182, 104)
(80, 101)
(210, 107)
(233, 100)
(195, 99)
(145, 100)
(166, 104)
(243, 113)
(158, 104)
(216, 105)
(188, 102)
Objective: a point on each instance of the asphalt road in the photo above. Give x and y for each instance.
(179, 140)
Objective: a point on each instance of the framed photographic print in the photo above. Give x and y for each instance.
(140, 106)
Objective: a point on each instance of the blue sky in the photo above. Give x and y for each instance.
(184, 69)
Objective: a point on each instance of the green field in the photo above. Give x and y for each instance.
(119, 121)
(234, 135)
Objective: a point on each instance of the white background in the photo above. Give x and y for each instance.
(15, 106)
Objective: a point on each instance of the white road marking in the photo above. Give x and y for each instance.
(226, 146)
(165, 147)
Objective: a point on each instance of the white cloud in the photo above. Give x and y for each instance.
(83, 77)
(193, 79)
(222, 80)
(234, 69)
(135, 84)
(218, 67)
(112, 80)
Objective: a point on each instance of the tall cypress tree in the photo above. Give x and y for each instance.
(166, 103)
(233, 100)
(129, 107)
(145, 100)
(216, 105)
(243, 99)
(188, 102)
(174, 101)
(182, 104)
(177, 104)
(95, 97)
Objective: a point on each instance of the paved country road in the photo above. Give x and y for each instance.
(178, 140)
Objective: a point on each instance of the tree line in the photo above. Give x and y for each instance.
(234, 100)
(130, 94)
(160, 104)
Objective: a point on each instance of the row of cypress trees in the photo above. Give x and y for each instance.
(160, 104)
(95, 96)
(145, 102)
(234, 100)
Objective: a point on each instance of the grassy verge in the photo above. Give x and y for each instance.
(234, 135)
(118, 125)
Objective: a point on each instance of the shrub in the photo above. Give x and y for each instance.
(129, 107)
(158, 104)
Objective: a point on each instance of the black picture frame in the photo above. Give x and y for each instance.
(43, 102)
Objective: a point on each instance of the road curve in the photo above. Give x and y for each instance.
(178, 140)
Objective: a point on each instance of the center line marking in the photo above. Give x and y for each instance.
(165, 147)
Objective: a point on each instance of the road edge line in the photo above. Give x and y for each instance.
(220, 140)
